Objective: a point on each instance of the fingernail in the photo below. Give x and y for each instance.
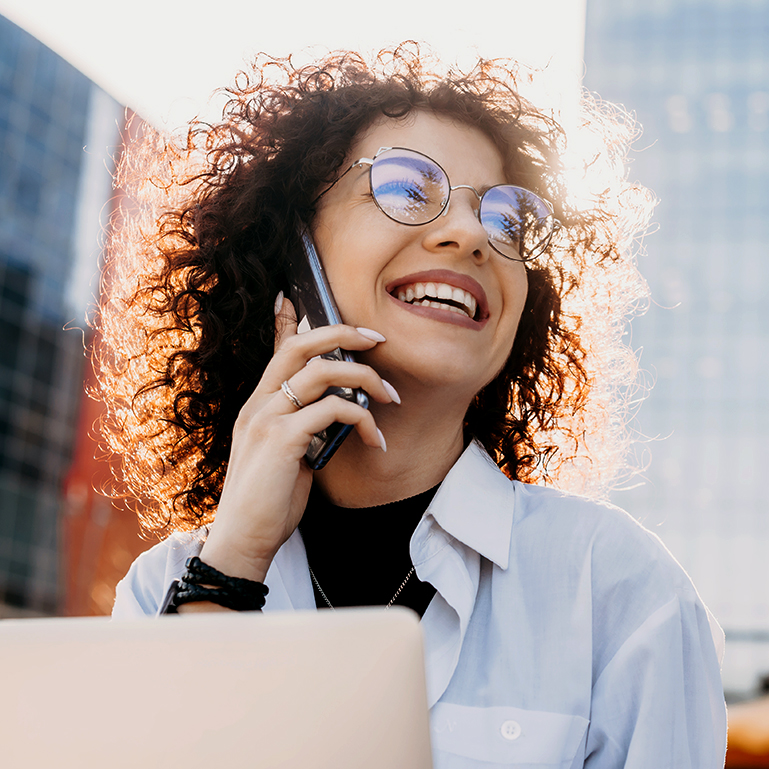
(382, 441)
(278, 302)
(374, 336)
(391, 391)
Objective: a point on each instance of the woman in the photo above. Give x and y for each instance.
(486, 334)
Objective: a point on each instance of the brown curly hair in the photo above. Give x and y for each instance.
(186, 325)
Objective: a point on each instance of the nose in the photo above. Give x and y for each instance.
(458, 229)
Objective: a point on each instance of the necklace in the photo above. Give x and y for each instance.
(331, 606)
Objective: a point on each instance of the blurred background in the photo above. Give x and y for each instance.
(694, 72)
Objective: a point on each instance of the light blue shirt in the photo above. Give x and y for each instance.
(562, 633)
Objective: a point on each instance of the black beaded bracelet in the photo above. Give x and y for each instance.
(202, 582)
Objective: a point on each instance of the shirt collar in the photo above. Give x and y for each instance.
(475, 505)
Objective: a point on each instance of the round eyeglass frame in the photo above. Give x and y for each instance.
(532, 254)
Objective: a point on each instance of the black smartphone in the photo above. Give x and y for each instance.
(311, 296)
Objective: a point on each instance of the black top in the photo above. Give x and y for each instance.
(360, 556)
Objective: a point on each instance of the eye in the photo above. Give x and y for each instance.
(400, 192)
(408, 191)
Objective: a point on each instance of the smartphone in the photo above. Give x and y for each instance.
(311, 296)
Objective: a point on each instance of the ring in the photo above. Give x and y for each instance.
(291, 395)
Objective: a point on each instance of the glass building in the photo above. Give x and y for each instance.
(55, 128)
(696, 75)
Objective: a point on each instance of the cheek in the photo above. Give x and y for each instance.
(335, 259)
(349, 280)
(517, 285)
(514, 303)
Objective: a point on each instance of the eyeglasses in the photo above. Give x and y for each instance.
(412, 189)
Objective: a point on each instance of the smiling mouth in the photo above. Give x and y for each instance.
(439, 296)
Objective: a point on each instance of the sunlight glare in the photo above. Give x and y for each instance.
(165, 64)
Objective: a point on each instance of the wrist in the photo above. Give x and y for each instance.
(234, 563)
(203, 584)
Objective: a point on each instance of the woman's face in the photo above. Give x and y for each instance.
(371, 261)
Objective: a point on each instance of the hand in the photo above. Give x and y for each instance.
(268, 481)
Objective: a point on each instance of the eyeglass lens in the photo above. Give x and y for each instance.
(409, 187)
(413, 189)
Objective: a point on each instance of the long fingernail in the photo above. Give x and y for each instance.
(382, 441)
(391, 391)
(278, 302)
(374, 336)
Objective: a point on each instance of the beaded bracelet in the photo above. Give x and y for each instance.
(202, 582)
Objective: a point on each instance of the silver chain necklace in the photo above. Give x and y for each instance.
(331, 606)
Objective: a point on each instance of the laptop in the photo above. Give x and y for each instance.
(309, 690)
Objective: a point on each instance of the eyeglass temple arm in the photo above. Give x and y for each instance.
(356, 164)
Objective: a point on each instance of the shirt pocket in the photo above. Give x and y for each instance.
(465, 736)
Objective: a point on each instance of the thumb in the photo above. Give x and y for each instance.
(285, 319)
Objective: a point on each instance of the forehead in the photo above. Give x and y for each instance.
(466, 153)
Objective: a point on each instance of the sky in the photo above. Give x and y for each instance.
(165, 58)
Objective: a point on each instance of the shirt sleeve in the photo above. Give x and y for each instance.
(141, 592)
(659, 701)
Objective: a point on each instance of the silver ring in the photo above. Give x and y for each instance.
(291, 395)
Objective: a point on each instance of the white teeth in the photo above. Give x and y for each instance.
(438, 306)
(466, 299)
(425, 294)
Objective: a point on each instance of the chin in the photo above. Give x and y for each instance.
(440, 372)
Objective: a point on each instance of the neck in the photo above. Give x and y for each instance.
(424, 439)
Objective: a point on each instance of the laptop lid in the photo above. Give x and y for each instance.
(307, 689)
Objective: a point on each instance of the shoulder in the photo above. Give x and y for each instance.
(615, 542)
(597, 547)
(550, 533)
(582, 542)
(141, 592)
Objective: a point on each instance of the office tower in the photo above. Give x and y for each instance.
(55, 130)
(697, 77)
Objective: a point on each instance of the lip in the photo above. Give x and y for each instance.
(456, 279)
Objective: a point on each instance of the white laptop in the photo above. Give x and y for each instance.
(306, 690)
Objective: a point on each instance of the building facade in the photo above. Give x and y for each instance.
(57, 132)
(696, 75)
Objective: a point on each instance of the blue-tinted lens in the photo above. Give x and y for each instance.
(518, 222)
(409, 187)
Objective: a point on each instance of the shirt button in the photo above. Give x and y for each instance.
(511, 730)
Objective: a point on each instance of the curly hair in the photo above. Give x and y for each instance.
(186, 325)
